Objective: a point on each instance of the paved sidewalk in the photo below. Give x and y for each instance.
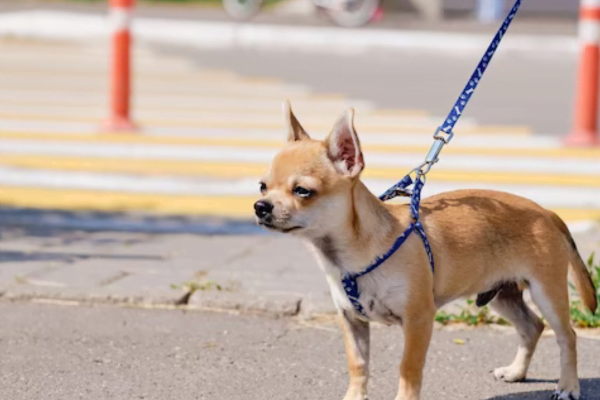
(265, 273)
(46, 256)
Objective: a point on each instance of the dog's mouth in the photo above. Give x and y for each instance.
(272, 227)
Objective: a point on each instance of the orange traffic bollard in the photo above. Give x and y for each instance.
(585, 129)
(120, 90)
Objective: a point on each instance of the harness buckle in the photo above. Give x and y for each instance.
(439, 135)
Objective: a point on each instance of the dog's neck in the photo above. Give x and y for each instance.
(369, 231)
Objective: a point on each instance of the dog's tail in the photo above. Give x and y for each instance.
(583, 281)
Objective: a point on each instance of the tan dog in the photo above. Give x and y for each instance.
(484, 242)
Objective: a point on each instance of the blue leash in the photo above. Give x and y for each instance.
(443, 135)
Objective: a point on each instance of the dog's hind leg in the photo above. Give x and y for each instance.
(550, 293)
(509, 304)
(356, 338)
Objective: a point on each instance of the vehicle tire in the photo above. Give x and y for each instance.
(242, 10)
(356, 13)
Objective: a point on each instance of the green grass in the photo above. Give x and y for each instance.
(580, 316)
(470, 315)
(199, 282)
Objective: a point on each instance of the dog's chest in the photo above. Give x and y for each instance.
(381, 310)
(382, 297)
(380, 301)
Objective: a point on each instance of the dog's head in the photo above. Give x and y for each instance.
(308, 187)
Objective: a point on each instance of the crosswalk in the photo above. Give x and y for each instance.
(208, 135)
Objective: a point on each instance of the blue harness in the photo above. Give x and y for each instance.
(442, 136)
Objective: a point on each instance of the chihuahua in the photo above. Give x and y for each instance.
(484, 242)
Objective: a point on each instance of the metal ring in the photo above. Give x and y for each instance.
(446, 139)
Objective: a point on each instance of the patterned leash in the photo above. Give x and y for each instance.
(443, 135)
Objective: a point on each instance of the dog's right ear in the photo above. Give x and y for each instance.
(343, 146)
(295, 130)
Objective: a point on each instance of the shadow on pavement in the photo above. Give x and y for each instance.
(590, 390)
(46, 223)
(23, 256)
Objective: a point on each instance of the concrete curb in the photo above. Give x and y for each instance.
(277, 305)
(272, 305)
(27, 293)
(228, 35)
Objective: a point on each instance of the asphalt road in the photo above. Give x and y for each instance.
(81, 352)
(535, 90)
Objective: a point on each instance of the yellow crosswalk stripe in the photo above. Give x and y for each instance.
(220, 206)
(568, 152)
(223, 206)
(306, 106)
(274, 124)
(241, 124)
(229, 170)
(194, 83)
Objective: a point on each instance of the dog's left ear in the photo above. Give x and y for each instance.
(343, 146)
(295, 130)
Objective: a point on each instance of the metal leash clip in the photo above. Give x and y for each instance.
(441, 138)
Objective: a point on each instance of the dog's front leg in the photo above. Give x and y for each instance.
(418, 329)
(356, 338)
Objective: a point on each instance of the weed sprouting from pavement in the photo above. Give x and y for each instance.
(200, 282)
(470, 315)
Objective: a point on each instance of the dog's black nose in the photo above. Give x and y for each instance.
(263, 208)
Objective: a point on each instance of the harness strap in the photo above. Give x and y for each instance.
(399, 189)
(349, 282)
(349, 279)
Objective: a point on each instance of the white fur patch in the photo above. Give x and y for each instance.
(544, 304)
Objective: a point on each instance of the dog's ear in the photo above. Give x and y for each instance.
(295, 130)
(343, 146)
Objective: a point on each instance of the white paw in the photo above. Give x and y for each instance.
(356, 394)
(356, 397)
(565, 395)
(510, 374)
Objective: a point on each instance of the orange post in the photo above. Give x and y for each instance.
(120, 86)
(585, 129)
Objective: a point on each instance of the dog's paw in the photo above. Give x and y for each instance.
(510, 374)
(355, 393)
(356, 397)
(565, 395)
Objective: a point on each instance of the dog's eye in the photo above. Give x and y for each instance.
(263, 187)
(302, 192)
